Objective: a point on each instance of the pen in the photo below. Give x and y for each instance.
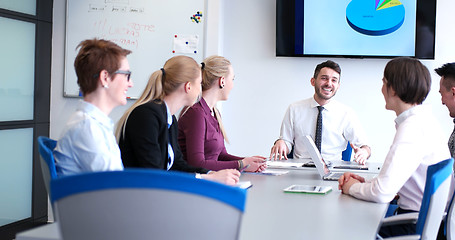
(243, 169)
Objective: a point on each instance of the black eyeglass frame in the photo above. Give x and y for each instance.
(127, 73)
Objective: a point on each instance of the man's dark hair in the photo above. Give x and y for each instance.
(447, 71)
(329, 64)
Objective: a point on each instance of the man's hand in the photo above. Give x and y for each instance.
(361, 154)
(279, 150)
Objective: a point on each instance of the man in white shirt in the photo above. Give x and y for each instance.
(339, 124)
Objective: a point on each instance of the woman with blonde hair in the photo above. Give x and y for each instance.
(147, 132)
(201, 132)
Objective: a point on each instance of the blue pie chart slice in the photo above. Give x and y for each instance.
(365, 18)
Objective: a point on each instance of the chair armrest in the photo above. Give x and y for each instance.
(400, 219)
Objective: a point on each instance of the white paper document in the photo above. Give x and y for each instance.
(244, 184)
(272, 172)
(283, 164)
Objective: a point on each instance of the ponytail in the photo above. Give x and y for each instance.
(176, 71)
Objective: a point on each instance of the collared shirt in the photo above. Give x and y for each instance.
(418, 143)
(87, 143)
(340, 125)
(170, 151)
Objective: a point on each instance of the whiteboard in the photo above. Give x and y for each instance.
(154, 30)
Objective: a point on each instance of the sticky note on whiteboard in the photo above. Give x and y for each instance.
(185, 43)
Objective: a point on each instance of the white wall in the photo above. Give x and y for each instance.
(265, 85)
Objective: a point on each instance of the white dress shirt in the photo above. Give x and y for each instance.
(340, 125)
(87, 143)
(170, 150)
(418, 143)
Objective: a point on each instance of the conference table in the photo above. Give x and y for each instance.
(271, 213)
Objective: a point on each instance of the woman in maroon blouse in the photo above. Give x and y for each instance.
(201, 133)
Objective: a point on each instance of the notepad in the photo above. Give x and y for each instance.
(308, 189)
(244, 184)
(283, 164)
(273, 172)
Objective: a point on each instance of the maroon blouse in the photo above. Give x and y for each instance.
(201, 140)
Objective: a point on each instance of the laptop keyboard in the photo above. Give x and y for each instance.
(335, 174)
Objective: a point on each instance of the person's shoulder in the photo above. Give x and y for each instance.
(151, 106)
(422, 115)
(149, 110)
(194, 114)
(303, 102)
(196, 109)
(79, 120)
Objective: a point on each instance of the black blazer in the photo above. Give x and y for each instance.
(145, 142)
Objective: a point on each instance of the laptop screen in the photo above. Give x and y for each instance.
(316, 156)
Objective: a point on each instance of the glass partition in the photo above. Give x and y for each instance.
(23, 6)
(17, 68)
(16, 148)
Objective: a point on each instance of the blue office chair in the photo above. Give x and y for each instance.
(146, 204)
(428, 219)
(46, 147)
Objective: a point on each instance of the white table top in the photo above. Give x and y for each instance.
(272, 214)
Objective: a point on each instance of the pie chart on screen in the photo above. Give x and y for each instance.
(375, 17)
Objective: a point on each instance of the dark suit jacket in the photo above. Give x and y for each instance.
(145, 143)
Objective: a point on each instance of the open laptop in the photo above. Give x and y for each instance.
(321, 166)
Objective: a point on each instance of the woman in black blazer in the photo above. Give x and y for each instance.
(147, 132)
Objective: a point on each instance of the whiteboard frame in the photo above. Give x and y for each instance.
(215, 6)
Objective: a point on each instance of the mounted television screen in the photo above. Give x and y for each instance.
(356, 28)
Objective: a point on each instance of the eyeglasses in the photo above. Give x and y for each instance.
(127, 73)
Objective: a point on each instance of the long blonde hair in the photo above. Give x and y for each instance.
(176, 71)
(213, 68)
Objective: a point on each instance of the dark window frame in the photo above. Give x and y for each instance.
(41, 115)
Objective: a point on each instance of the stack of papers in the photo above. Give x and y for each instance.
(244, 184)
(283, 164)
(271, 172)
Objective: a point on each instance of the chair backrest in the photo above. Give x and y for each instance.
(146, 204)
(346, 154)
(434, 200)
(46, 147)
